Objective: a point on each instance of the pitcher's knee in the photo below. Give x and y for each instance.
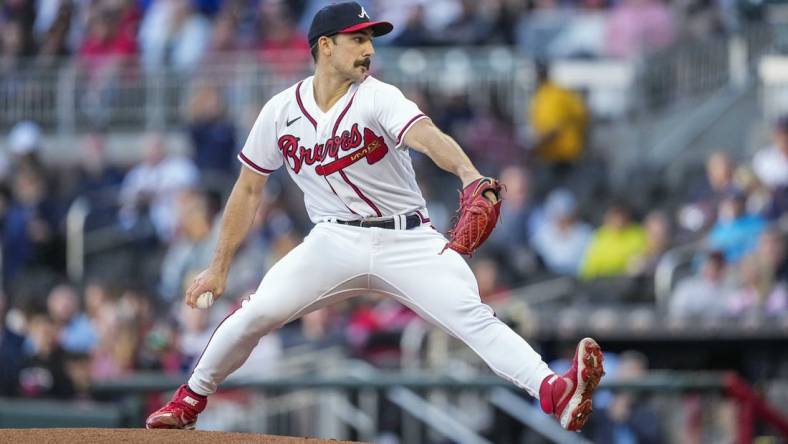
(259, 322)
(474, 323)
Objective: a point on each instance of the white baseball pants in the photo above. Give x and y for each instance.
(336, 262)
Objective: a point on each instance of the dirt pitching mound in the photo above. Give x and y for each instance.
(129, 436)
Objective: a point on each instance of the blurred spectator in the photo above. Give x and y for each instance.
(636, 27)
(490, 140)
(657, 228)
(771, 254)
(116, 349)
(78, 371)
(195, 332)
(583, 36)
(736, 232)
(614, 245)
(212, 135)
(537, 28)
(106, 46)
(11, 46)
(374, 329)
(771, 163)
(153, 186)
(16, 32)
(559, 119)
(42, 371)
(75, 332)
(159, 349)
(704, 295)
(248, 265)
(561, 239)
(97, 181)
(54, 40)
(25, 141)
(223, 42)
(30, 236)
(283, 48)
(628, 418)
(758, 293)
(517, 223)
(136, 309)
(11, 350)
(192, 251)
(106, 60)
(777, 205)
(491, 289)
(759, 197)
(173, 34)
(762, 287)
(454, 113)
(98, 294)
(473, 26)
(415, 31)
(701, 212)
(208, 7)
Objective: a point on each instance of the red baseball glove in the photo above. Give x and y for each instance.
(476, 216)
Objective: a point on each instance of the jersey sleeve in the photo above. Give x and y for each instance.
(260, 152)
(395, 113)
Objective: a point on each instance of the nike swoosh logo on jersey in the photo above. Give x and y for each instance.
(290, 122)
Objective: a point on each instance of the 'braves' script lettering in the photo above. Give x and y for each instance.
(296, 156)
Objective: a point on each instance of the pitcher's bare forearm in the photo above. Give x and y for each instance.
(427, 138)
(238, 216)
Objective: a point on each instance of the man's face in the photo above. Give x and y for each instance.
(351, 54)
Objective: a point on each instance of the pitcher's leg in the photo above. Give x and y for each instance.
(304, 280)
(445, 293)
(443, 290)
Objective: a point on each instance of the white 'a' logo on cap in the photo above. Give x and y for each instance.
(364, 14)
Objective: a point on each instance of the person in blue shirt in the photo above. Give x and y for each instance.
(736, 232)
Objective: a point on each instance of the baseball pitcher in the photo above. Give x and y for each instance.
(343, 137)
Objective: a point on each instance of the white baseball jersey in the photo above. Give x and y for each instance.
(350, 162)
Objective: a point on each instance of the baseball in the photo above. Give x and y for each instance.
(204, 300)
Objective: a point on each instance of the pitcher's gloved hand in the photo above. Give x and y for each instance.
(477, 215)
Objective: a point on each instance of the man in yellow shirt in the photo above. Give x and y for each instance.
(559, 117)
(614, 245)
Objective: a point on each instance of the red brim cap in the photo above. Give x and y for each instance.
(378, 28)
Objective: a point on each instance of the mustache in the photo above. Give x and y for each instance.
(365, 63)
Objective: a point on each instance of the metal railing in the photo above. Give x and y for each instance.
(665, 274)
(403, 390)
(70, 97)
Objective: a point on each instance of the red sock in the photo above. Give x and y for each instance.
(549, 386)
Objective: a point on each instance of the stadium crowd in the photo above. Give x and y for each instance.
(58, 337)
(183, 33)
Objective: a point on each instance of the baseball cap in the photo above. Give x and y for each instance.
(344, 17)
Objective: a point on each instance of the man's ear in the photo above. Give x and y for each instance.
(324, 43)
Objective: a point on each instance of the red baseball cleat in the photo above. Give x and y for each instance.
(180, 413)
(568, 396)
